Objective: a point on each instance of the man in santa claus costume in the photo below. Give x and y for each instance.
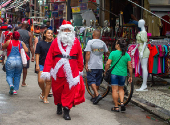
(64, 64)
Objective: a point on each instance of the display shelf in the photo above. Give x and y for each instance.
(159, 5)
(158, 37)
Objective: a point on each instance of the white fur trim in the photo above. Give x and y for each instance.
(66, 65)
(67, 52)
(81, 73)
(69, 26)
(45, 75)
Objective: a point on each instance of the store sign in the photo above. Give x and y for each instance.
(58, 0)
(75, 9)
(74, 3)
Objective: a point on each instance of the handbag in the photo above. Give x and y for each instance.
(107, 77)
(23, 56)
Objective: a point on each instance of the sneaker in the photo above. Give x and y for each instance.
(98, 98)
(15, 92)
(93, 99)
(11, 90)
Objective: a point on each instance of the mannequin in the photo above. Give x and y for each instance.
(106, 31)
(144, 53)
(84, 22)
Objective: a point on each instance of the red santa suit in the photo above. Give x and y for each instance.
(65, 71)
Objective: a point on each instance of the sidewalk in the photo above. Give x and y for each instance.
(156, 100)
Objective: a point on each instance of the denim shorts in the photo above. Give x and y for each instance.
(94, 76)
(41, 67)
(117, 80)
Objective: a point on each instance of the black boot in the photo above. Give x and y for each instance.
(66, 115)
(59, 109)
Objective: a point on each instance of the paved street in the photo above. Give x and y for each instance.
(26, 109)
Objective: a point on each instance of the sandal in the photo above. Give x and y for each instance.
(115, 109)
(123, 108)
(24, 85)
(41, 97)
(50, 94)
(46, 102)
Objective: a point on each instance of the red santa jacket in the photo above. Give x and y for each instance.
(62, 67)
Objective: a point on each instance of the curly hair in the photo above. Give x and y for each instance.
(16, 35)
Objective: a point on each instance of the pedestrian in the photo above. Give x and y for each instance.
(40, 36)
(128, 15)
(4, 26)
(26, 37)
(18, 27)
(119, 73)
(5, 36)
(48, 25)
(94, 64)
(38, 39)
(14, 63)
(41, 53)
(63, 62)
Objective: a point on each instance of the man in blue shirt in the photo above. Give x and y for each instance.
(48, 25)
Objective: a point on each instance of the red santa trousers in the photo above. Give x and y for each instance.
(62, 93)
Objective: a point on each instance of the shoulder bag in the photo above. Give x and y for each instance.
(107, 77)
(23, 55)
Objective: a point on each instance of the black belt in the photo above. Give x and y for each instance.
(66, 56)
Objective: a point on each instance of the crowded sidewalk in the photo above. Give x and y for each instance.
(26, 108)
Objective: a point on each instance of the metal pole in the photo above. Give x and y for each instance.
(101, 12)
(68, 10)
(148, 11)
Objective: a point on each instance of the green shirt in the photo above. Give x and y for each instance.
(121, 67)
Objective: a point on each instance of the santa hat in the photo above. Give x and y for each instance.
(66, 24)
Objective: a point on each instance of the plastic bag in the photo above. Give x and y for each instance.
(23, 57)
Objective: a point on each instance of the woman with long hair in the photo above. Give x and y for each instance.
(119, 73)
(40, 54)
(14, 63)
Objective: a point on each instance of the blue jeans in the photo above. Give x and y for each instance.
(117, 80)
(133, 22)
(13, 71)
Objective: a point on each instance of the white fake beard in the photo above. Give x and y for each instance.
(67, 38)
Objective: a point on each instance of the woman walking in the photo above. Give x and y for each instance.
(14, 63)
(119, 73)
(40, 54)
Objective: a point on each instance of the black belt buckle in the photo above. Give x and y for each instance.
(67, 56)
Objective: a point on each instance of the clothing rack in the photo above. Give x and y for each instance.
(154, 80)
(148, 11)
(159, 42)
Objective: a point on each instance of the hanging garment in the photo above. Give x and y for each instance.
(164, 58)
(154, 24)
(155, 62)
(136, 62)
(166, 26)
(145, 13)
(130, 48)
(166, 61)
(159, 59)
(153, 52)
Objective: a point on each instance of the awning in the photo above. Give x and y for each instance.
(3, 5)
